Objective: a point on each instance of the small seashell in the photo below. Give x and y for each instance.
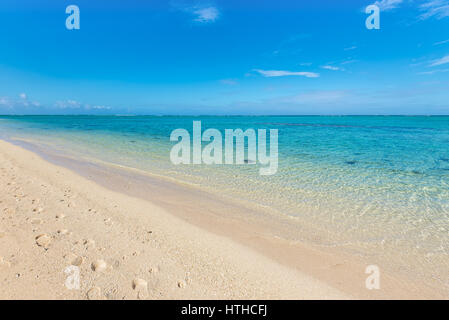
(43, 240)
(77, 261)
(36, 221)
(99, 265)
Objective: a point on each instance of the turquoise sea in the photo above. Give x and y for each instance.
(376, 185)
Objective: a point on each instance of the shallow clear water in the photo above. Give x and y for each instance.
(378, 185)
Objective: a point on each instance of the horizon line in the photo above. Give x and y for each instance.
(224, 115)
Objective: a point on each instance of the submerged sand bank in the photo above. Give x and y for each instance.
(172, 250)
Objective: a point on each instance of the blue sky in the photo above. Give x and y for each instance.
(224, 57)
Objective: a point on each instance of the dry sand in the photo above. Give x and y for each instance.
(125, 247)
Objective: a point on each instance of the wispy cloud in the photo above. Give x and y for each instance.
(283, 73)
(68, 104)
(75, 105)
(202, 12)
(332, 68)
(434, 71)
(430, 8)
(21, 102)
(440, 61)
(5, 102)
(434, 8)
(349, 61)
(350, 48)
(385, 5)
(206, 14)
(24, 105)
(24, 101)
(101, 108)
(441, 42)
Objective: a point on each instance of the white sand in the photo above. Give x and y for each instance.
(126, 248)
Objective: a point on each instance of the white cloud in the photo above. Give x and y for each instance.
(350, 48)
(441, 42)
(68, 104)
(434, 71)
(282, 73)
(75, 105)
(386, 5)
(207, 14)
(24, 105)
(25, 102)
(430, 8)
(435, 8)
(4, 101)
(101, 108)
(202, 12)
(440, 61)
(21, 102)
(332, 68)
(349, 61)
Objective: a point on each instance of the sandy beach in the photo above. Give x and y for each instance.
(52, 218)
(150, 247)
